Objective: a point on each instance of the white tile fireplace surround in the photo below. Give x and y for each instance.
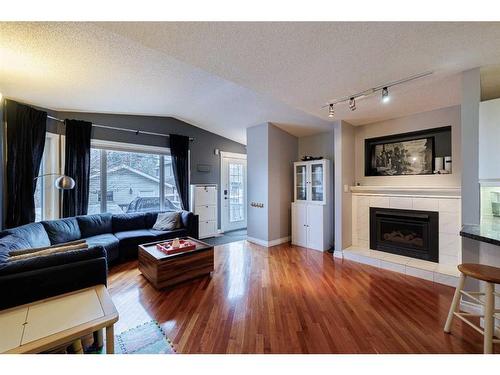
(445, 200)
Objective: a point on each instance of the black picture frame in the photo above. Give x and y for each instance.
(429, 136)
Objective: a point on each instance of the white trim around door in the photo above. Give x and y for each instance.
(226, 159)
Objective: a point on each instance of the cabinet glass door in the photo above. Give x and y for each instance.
(317, 182)
(300, 183)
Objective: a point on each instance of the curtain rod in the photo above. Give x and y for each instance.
(137, 132)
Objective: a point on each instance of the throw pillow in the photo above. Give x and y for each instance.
(52, 250)
(167, 221)
(16, 252)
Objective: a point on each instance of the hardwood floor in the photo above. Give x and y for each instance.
(288, 299)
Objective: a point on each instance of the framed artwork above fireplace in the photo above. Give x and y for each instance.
(406, 154)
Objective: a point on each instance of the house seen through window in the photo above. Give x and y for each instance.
(133, 182)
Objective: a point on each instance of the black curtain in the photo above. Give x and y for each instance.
(179, 151)
(77, 166)
(26, 129)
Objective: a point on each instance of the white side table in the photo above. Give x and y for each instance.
(50, 323)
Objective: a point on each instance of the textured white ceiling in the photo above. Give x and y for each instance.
(225, 77)
(83, 67)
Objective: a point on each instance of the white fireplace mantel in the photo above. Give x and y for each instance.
(420, 191)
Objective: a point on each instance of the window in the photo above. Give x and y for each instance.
(94, 206)
(46, 195)
(236, 193)
(132, 177)
(39, 196)
(172, 200)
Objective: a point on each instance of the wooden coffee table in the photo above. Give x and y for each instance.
(164, 270)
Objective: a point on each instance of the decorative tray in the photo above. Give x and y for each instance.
(167, 248)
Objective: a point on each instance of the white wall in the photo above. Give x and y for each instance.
(449, 116)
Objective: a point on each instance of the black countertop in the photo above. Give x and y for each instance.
(488, 231)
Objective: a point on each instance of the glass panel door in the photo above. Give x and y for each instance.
(236, 193)
(317, 183)
(300, 182)
(233, 193)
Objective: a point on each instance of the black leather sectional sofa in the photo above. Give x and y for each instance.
(110, 238)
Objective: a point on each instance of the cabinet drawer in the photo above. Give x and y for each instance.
(206, 196)
(206, 212)
(207, 228)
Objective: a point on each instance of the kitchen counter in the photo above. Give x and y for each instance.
(488, 231)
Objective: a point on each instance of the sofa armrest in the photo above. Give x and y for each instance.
(44, 261)
(190, 221)
(29, 286)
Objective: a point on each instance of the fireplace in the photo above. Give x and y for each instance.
(410, 233)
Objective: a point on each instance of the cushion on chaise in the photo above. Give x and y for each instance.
(93, 225)
(62, 230)
(109, 242)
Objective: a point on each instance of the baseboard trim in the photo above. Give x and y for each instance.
(271, 243)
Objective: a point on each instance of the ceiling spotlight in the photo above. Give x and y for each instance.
(352, 104)
(385, 95)
(331, 111)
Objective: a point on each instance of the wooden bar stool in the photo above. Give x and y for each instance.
(491, 276)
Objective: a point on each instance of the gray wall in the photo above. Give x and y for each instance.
(317, 145)
(2, 163)
(202, 149)
(258, 181)
(471, 96)
(344, 177)
(321, 144)
(282, 152)
(271, 153)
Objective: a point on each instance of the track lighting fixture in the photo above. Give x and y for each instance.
(351, 99)
(331, 111)
(385, 95)
(352, 104)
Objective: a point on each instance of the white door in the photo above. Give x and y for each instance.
(233, 191)
(299, 224)
(315, 227)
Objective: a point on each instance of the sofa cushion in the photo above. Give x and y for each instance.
(185, 217)
(9, 243)
(167, 221)
(33, 233)
(151, 218)
(168, 234)
(63, 230)
(130, 240)
(109, 242)
(93, 225)
(127, 222)
(138, 235)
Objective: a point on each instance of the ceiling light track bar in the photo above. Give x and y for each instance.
(373, 90)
